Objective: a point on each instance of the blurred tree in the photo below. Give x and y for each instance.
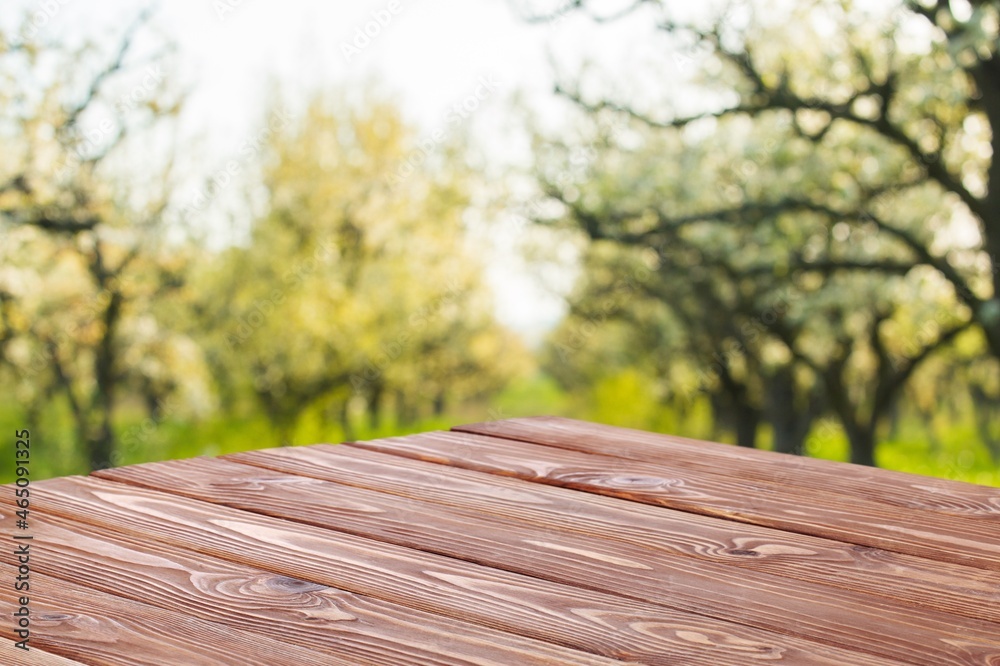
(734, 283)
(919, 85)
(870, 154)
(80, 240)
(362, 286)
(861, 336)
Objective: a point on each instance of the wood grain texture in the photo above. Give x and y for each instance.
(553, 542)
(931, 536)
(912, 492)
(363, 630)
(560, 614)
(11, 656)
(788, 606)
(967, 591)
(103, 629)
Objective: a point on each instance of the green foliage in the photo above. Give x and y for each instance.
(808, 266)
(355, 288)
(957, 456)
(363, 287)
(803, 232)
(86, 263)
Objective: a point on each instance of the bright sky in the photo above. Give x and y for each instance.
(433, 54)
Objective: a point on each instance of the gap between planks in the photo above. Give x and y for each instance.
(967, 591)
(927, 535)
(363, 630)
(846, 618)
(561, 614)
(857, 482)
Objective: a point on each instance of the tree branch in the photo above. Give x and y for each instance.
(581, 5)
(764, 98)
(115, 65)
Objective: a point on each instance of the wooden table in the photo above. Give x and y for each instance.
(524, 541)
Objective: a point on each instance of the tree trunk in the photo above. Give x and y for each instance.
(732, 413)
(400, 407)
(375, 407)
(932, 436)
(862, 442)
(991, 326)
(100, 441)
(345, 420)
(986, 416)
(100, 445)
(153, 400)
(720, 416)
(985, 76)
(895, 420)
(747, 420)
(787, 437)
(790, 422)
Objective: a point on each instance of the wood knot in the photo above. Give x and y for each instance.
(54, 617)
(643, 481)
(287, 584)
(744, 552)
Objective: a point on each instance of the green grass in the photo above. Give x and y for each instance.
(960, 456)
(54, 451)
(624, 400)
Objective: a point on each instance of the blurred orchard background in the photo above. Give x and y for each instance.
(237, 224)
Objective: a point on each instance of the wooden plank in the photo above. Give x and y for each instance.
(953, 588)
(932, 536)
(820, 613)
(561, 614)
(912, 492)
(102, 629)
(33, 657)
(355, 628)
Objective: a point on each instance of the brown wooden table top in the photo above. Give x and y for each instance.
(524, 541)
